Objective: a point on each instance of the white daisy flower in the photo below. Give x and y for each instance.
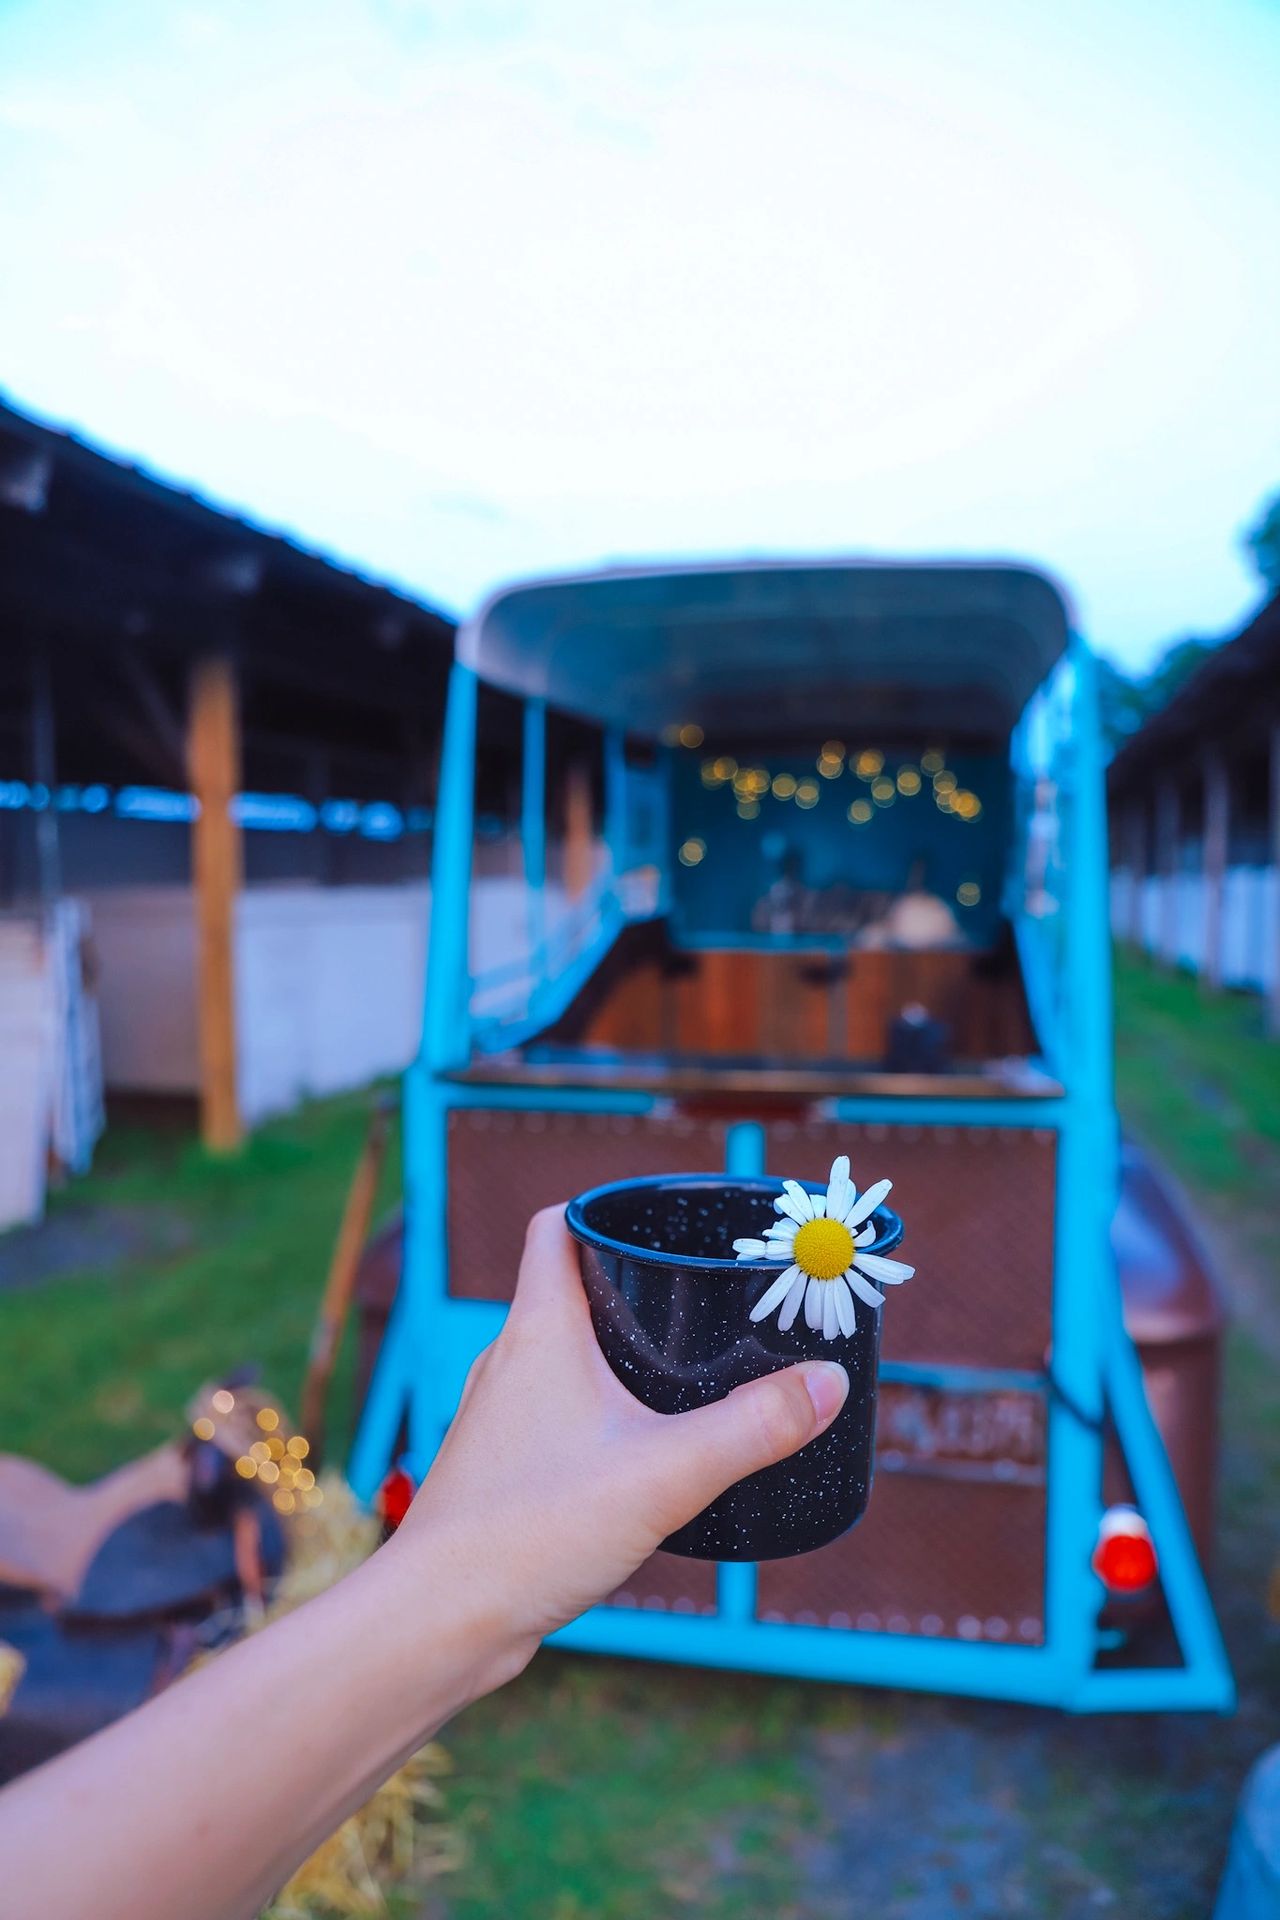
(823, 1237)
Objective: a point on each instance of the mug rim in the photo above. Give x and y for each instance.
(889, 1226)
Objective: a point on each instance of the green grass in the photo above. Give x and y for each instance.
(1199, 1081)
(99, 1365)
(621, 1791)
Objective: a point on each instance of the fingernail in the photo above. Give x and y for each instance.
(827, 1384)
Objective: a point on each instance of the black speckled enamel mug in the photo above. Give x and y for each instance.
(671, 1308)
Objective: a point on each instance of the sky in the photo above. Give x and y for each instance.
(470, 290)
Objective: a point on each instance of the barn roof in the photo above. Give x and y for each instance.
(1231, 699)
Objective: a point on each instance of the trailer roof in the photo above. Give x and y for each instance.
(787, 646)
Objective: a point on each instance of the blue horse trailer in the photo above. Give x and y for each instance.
(849, 894)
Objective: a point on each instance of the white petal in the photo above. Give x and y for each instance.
(844, 1307)
(869, 1202)
(839, 1188)
(784, 1229)
(864, 1289)
(772, 1295)
(890, 1273)
(793, 1200)
(813, 1305)
(818, 1201)
(802, 1197)
(751, 1249)
(865, 1235)
(830, 1318)
(794, 1300)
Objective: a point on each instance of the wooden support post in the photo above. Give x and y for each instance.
(1168, 835)
(1273, 997)
(579, 831)
(213, 756)
(1217, 823)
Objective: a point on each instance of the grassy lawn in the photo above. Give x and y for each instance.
(610, 1790)
(99, 1363)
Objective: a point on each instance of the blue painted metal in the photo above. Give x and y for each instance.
(533, 818)
(446, 1027)
(1059, 910)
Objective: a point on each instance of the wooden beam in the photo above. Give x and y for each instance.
(1217, 821)
(1168, 838)
(1273, 997)
(579, 831)
(213, 753)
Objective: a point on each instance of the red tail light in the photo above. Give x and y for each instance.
(395, 1496)
(1125, 1556)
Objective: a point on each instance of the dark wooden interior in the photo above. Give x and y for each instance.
(801, 1005)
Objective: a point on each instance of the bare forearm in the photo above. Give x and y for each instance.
(205, 1800)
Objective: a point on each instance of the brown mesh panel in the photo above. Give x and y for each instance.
(668, 1583)
(978, 1203)
(933, 1556)
(505, 1163)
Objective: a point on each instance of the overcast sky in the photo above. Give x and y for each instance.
(465, 290)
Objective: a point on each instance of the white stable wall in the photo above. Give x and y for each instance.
(329, 983)
(1249, 908)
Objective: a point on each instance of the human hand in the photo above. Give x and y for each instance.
(553, 1483)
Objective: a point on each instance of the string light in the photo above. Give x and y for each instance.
(268, 1473)
(968, 893)
(752, 784)
(203, 1429)
(259, 1451)
(246, 1467)
(268, 1419)
(690, 734)
(299, 1447)
(692, 852)
(223, 1402)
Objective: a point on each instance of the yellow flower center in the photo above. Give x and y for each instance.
(824, 1248)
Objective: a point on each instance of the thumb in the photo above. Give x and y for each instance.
(703, 1452)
